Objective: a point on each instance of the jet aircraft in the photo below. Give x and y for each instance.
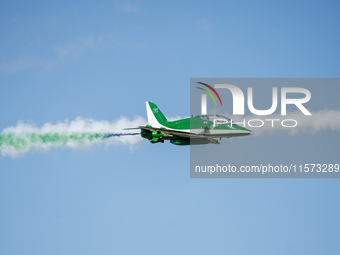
(202, 129)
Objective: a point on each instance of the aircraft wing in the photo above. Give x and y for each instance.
(180, 133)
(195, 138)
(169, 131)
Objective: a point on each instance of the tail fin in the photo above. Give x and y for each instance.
(155, 116)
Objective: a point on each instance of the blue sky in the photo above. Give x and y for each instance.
(60, 60)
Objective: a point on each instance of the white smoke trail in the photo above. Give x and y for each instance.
(79, 133)
(321, 120)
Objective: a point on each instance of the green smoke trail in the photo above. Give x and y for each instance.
(79, 133)
(16, 143)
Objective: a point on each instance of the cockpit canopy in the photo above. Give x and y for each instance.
(215, 117)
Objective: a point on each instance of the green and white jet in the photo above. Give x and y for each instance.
(201, 129)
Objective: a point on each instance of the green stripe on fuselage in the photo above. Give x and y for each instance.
(199, 123)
